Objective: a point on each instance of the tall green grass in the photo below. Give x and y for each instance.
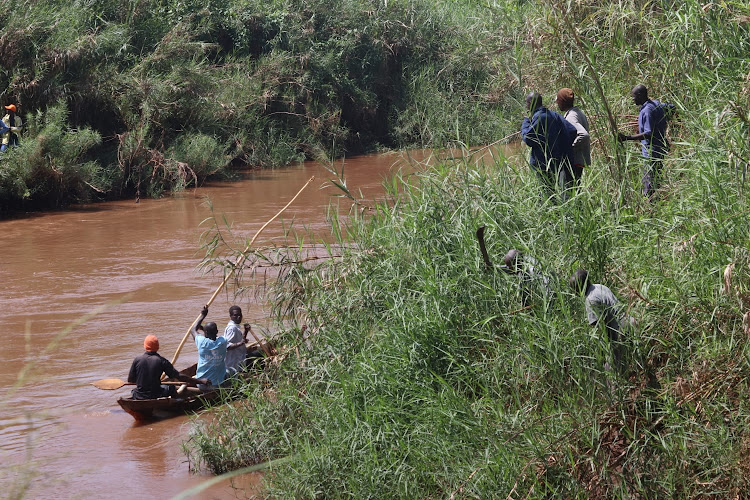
(421, 375)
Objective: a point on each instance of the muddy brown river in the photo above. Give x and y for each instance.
(133, 268)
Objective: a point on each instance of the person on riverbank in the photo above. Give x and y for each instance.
(532, 284)
(582, 142)
(652, 133)
(603, 312)
(212, 351)
(550, 138)
(147, 369)
(13, 123)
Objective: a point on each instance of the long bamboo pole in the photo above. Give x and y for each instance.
(236, 265)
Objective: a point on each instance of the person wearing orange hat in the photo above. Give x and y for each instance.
(14, 124)
(147, 369)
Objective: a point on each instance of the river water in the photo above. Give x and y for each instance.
(133, 268)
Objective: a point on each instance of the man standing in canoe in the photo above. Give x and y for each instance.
(236, 341)
(147, 369)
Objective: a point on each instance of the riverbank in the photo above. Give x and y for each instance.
(129, 103)
(422, 375)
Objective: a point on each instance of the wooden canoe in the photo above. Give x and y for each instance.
(145, 409)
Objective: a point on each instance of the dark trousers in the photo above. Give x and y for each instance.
(568, 178)
(559, 175)
(651, 175)
(548, 178)
(166, 391)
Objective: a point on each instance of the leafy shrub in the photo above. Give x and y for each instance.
(51, 167)
(202, 153)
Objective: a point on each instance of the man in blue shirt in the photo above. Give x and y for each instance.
(550, 137)
(212, 351)
(652, 132)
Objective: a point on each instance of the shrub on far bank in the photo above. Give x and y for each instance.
(271, 82)
(53, 165)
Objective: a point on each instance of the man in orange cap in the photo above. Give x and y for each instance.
(14, 124)
(146, 372)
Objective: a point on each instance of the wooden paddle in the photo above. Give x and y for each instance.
(236, 265)
(110, 384)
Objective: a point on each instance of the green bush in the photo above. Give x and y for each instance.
(202, 153)
(274, 81)
(51, 165)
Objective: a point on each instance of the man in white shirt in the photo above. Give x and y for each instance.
(602, 311)
(582, 141)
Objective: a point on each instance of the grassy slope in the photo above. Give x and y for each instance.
(423, 379)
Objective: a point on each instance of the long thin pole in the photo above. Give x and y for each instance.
(236, 265)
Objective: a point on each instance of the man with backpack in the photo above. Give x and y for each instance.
(550, 138)
(652, 132)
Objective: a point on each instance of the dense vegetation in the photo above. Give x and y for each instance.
(129, 98)
(422, 376)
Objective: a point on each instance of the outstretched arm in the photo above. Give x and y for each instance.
(173, 374)
(242, 342)
(637, 137)
(198, 327)
(646, 134)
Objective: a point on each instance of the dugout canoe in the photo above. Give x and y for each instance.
(145, 409)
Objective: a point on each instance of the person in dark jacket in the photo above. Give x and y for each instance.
(550, 138)
(147, 369)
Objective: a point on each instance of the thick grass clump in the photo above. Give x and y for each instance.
(423, 375)
(56, 166)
